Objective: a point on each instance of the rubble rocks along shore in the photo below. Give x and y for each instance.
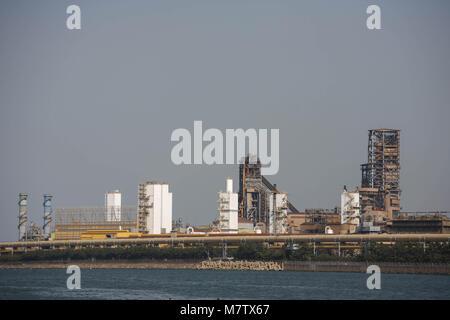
(240, 265)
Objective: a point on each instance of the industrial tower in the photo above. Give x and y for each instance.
(22, 216)
(259, 201)
(228, 209)
(47, 215)
(154, 208)
(252, 194)
(382, 170)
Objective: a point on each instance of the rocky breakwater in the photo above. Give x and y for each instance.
(240, 265)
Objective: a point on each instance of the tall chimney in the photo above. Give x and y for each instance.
(22, 215)
(47, 215)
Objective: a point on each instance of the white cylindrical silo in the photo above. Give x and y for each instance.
(113, 205)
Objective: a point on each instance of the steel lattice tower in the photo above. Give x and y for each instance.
(382, 169)
(252, 194)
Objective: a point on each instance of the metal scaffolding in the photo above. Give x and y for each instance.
(380, 176)
(382, 169)
(71, 222)
(252, 195)
(143, 208)
(65, 215)
(255, 197)
(86, 215)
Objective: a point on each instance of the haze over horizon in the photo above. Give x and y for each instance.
(88, 111)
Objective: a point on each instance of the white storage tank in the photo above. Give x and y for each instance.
(113, 205)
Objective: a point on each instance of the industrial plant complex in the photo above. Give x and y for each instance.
(258, 208)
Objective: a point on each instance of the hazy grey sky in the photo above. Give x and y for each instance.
(85, 112)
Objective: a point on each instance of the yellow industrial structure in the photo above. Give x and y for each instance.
(108, 234)
(71, 222)
(74, 230)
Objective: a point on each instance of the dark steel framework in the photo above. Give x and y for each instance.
(254, 190)
(252, 195)
(382, 169)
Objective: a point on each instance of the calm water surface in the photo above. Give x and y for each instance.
(211, 284)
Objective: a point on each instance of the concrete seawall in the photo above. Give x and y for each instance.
(104, 264)
(386, 267)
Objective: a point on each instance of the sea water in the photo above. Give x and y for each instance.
(212, 284)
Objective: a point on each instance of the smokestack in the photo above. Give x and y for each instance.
(47, 215)
(22, 215)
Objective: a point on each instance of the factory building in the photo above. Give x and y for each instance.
(437, 223)
(380, 176)
(278, 222)
(319, 221)
(252, 194)
(368, 227)
(34, 233)
(258, 207)
(113, 204)
(31, 231)
(256, 194)
(245, 226)
(178, 226)
(295, 220)
(350, 209)
(325, 221)
(228, 209)
(154, 208)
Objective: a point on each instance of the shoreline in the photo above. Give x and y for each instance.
(306, 266)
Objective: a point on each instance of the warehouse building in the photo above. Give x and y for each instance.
(420, 224)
